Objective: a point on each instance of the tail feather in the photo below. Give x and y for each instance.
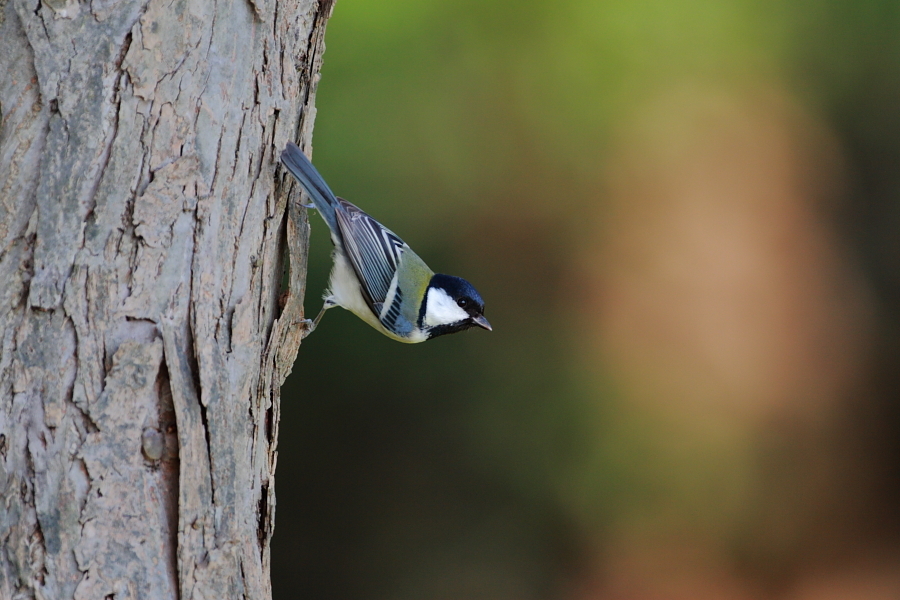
(304, 172)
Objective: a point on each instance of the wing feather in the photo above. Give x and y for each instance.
(374, 251)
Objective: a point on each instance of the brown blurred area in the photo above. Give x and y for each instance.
(683, 217)
(719, 274)
(737, 326)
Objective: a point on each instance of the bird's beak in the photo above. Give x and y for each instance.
(482, 322)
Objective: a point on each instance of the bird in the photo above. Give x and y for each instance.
(378, 277)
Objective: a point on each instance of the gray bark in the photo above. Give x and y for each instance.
(143, 334)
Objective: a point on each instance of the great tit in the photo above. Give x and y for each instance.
(377, 277)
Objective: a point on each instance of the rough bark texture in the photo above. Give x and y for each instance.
(143, 339)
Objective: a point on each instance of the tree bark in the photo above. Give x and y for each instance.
(143, 337)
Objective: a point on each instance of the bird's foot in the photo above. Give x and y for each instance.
(308, 325)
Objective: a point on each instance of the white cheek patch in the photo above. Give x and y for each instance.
(441, 309)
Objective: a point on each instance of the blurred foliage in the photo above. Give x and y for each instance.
(683, 218)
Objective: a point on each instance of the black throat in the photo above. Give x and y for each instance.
(451, 328)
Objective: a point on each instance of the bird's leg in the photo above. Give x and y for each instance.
(311, 325)
(329, 303)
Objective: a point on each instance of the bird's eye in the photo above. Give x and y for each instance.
(462, 302)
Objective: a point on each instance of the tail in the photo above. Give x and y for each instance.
(304, 172)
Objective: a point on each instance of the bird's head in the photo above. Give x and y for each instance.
(451, 304)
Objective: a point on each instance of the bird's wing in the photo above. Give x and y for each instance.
(374, 251)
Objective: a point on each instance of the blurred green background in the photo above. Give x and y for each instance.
(683, 217)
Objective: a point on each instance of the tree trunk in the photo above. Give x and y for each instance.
(143, 339)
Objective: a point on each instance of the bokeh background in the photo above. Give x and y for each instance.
(683, 216)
